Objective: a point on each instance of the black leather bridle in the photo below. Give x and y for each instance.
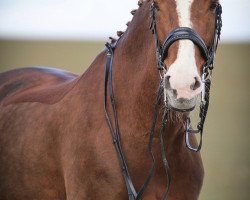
(185, 33)
(181, 33)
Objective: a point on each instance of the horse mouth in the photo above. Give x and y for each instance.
(181, 104)
(182, 110)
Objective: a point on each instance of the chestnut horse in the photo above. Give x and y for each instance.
(55, 143)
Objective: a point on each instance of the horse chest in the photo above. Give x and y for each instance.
(105, 180)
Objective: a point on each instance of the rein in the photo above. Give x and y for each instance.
(161, 54)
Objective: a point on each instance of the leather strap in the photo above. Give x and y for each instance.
(164, 154)
(153, 27)
(115, 133)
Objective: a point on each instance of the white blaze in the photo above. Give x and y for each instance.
(183, 8)
(184, 69)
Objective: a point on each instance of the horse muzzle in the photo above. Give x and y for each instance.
(179, 104)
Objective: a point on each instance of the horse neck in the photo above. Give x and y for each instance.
(135, 75)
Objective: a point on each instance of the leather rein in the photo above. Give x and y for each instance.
(180, 33)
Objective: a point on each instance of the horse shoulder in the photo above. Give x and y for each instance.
(35, 84)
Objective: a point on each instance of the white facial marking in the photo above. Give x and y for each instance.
(184, 69)
(184, 12)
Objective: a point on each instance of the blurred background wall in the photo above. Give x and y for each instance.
(68, 34)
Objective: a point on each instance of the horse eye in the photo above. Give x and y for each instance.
(213, 6)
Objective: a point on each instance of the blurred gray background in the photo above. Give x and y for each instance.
(59, 33)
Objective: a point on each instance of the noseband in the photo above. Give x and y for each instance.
(181, 33)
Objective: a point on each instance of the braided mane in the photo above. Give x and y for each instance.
(120, 33)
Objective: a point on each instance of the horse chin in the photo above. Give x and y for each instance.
(182, 105)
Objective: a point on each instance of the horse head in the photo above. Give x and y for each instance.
(192, 32)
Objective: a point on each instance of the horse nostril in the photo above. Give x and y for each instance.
(175, 93)
(196, 84)
(167, 81)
